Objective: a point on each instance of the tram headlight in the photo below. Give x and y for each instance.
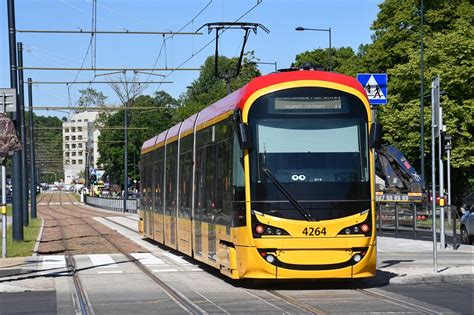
(278, 232)
(268, 230)
(357, 257)
(270, 259)
(347, 231)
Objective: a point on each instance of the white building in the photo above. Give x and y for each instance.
(80, 139)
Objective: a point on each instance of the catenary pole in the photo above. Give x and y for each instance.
(441, 178)
(32, 152)
(17, 218)
(434, 109)
(422, 98)
(125, 159)
(21, 118)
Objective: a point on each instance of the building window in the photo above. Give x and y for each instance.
(79, 129)
(86, 120)
(79, 161)
(73, 146)
(73, 162)
(67, 154)
(67, 162)
(73, 129)
(66, 130)
(73, 153)
(67, 146)
(80, 153)
(79, 145)
(79, 137)
(73, 138)
(66, 137)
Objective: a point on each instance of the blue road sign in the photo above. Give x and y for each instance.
(375, 85)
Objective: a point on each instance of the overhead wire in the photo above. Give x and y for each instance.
(211, 41)
(172, 35)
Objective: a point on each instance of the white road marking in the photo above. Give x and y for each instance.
(176, 259)
(110, 271)
(165, 270)
(102, 260)
(148, 259)
(52, 262)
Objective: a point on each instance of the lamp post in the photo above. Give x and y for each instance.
(299, 28)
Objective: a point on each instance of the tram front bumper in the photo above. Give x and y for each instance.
(305, 259)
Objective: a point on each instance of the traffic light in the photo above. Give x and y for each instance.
(446, 142)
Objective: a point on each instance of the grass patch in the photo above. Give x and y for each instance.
(30, 234)
(77, 196)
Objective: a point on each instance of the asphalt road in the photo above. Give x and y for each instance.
(456, 296)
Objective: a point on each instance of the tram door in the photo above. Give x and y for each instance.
(158, 202)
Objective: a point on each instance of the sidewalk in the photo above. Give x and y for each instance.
(406, 261)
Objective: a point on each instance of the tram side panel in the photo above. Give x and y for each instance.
(170, 195)
(184, 235)
(158, 213)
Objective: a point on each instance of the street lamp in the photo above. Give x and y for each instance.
(299, 28)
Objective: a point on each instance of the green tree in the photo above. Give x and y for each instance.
(343, 60)
(448, 41)
(48, 146)
(208, 88)
(143, 124)
(91, 97)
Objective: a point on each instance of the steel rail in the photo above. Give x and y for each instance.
(292, 301)
(181, 300)
(85, 307)
(403, 303)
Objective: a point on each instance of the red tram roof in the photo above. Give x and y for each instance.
(238, 98)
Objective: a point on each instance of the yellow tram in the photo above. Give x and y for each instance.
(274, 181)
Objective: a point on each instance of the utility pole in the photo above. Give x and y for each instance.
(21, 118)
(32, 152)
(125, 159)
(17, 219)
(422, 97)
(434, 131)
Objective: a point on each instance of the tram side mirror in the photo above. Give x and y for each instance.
(244, 136)
(375, 136)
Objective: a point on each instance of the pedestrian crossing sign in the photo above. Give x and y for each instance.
(375, 86)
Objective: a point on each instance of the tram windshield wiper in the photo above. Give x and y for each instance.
(287, 194)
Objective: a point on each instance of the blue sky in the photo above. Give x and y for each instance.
(349, 20)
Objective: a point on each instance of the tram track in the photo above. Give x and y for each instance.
(176, 296)
(81, 300)
(419, 309)
(295, 302)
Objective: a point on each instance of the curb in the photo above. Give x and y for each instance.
(38, 240)
(432, 279)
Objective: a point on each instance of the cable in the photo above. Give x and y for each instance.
(210, 42)
(171, 36)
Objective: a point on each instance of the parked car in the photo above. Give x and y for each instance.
(467, 226)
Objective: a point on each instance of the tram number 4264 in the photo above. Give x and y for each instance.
(310, 231)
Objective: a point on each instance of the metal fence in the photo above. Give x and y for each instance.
(114, 204)
(414, 220)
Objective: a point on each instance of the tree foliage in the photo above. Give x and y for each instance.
(448, 50)
(48, 146)
(91, 97)
(151, 122)
(208, 88)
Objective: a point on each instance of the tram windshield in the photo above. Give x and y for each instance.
(320, 159)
